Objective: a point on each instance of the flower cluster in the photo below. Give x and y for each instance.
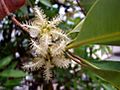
(48, 44)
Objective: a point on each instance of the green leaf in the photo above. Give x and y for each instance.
(106, 65)
(101, 25)
(13, 73)
(5, 61)
(46, 3)
(107, 70)
(77, 28)
(108, 86)
(12, 82)
(87, 4)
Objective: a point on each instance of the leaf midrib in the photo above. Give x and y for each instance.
(92, 40)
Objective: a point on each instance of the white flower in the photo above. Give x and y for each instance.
(58, 49)
(61, 61)
(34, 30)
(38, 62)
(40, 16)
(47, 71)
(38, 48)
(60, 34)
(45, 40)
(49, 45)
(55, 21)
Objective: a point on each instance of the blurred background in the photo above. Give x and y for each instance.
(14, 50)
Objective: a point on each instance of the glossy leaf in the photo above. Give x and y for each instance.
(13, 73)
(13, 82)
(5, 61)
(87, 4)
(46, 3)
(101, 25)
(77, 28)
(108, 87)
(108, 70)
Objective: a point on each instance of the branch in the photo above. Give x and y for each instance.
(75, 58)
(13, 17)
(19, 24)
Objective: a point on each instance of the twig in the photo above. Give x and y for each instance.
(83, 62)
(19, 24)
(75, 58)
(13, 17)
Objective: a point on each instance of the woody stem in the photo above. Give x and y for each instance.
(75, 58)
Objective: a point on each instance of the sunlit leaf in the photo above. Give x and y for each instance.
(5, 61)
(13, 73)
(12, 82)
(101, 26)
(107, 70)
(46, 2)
(86, 4)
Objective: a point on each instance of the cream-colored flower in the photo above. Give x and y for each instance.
(49, 45)
(58, 49)
(61, 61)
(38, 62)
(47, 71)
(55, 21)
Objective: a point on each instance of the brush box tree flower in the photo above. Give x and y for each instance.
(51, 47)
